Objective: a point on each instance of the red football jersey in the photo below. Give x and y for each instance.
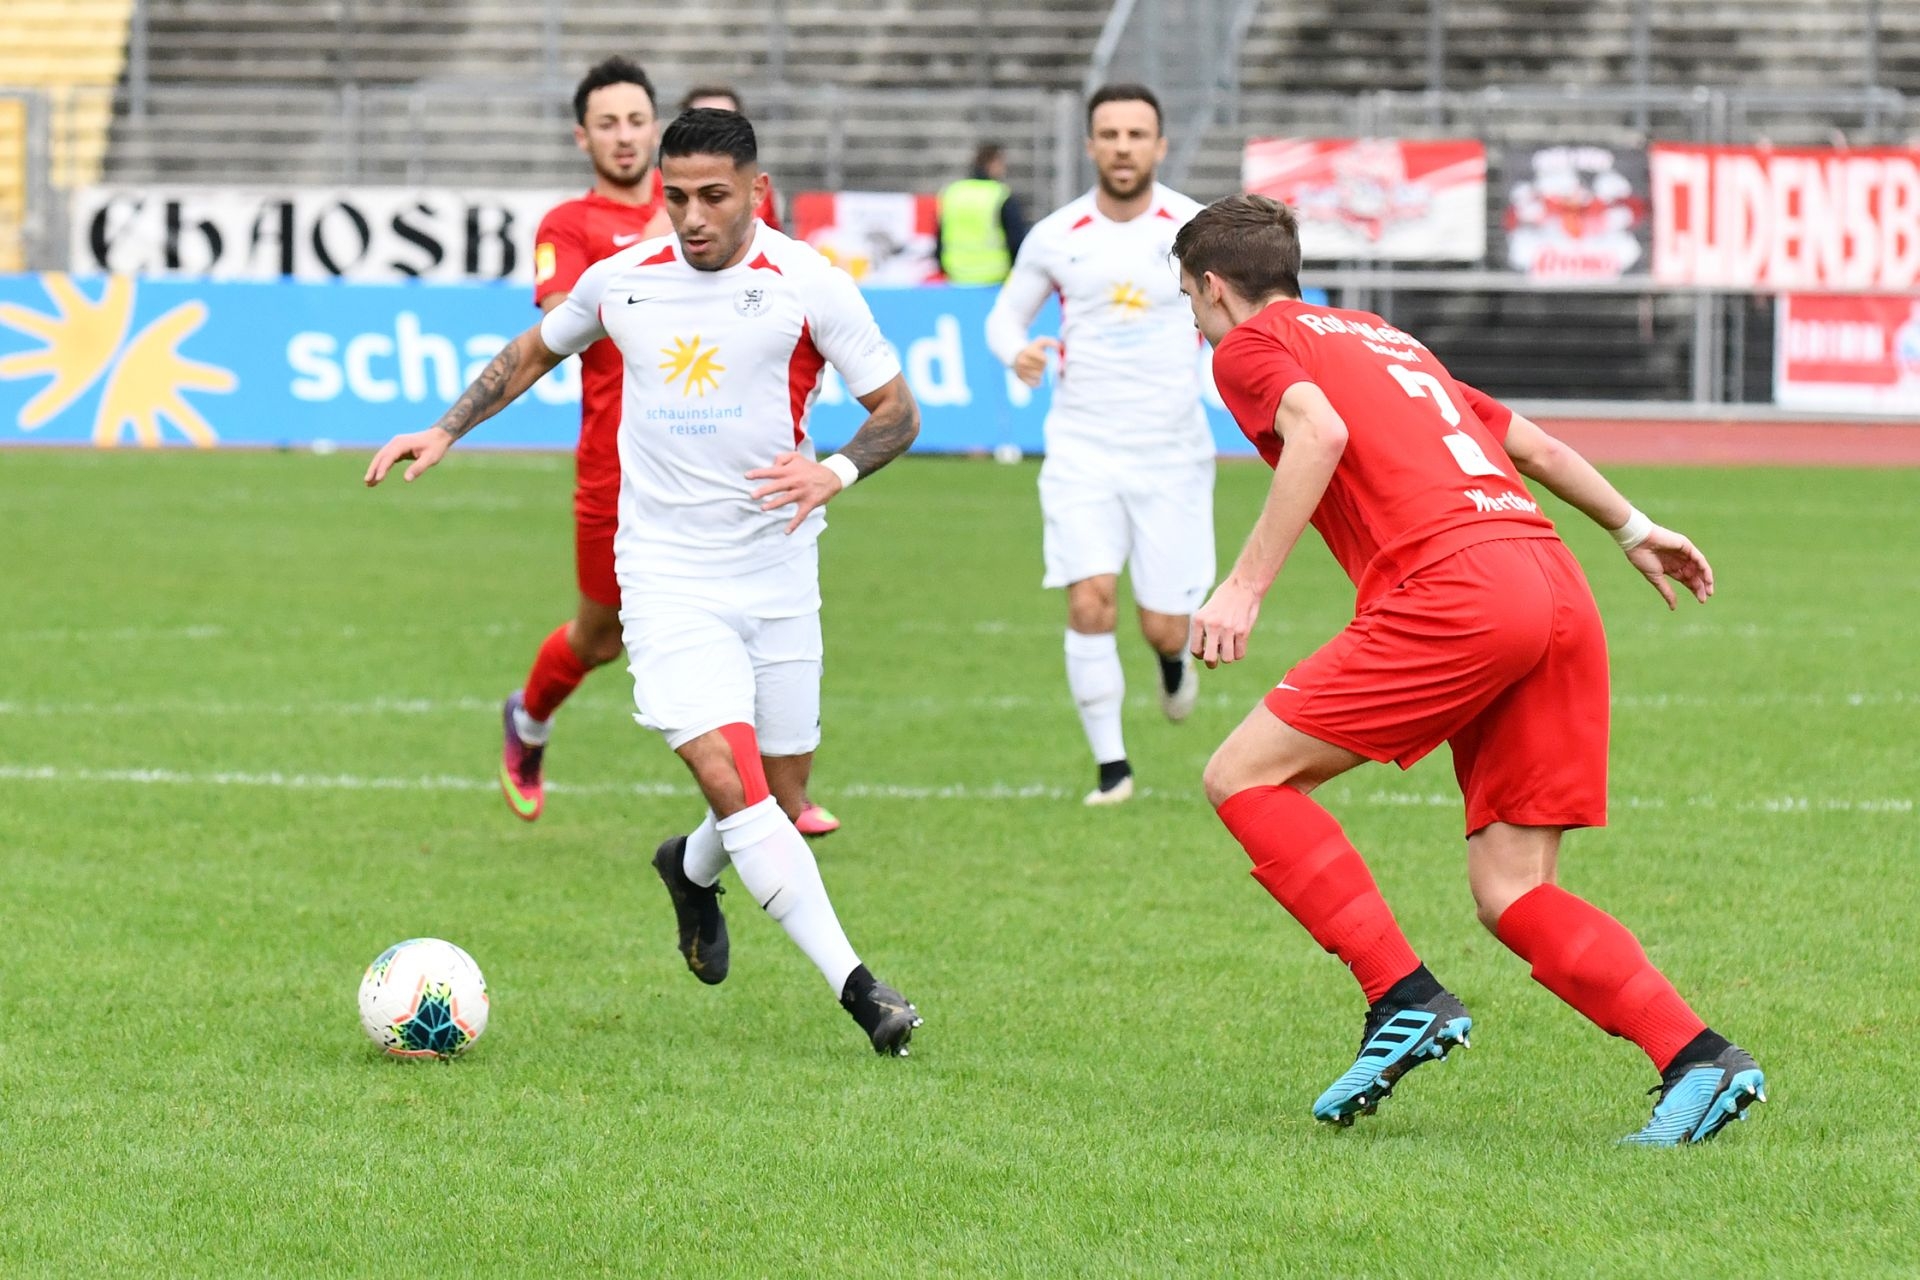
(572, 237)
(1422, 475)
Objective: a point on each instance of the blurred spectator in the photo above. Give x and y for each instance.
(980, 226)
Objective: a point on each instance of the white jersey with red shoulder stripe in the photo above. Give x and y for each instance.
(1130, 379)
(721, 372)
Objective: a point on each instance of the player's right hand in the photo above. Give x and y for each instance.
(1030, 366)
(424, 447)
(1666, 554)
(1221, 627)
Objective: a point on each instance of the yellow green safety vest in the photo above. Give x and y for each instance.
(973, 244)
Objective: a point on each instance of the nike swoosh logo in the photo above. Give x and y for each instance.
(635, 238)
(522, 805)
(1284, 685)
(631, 299)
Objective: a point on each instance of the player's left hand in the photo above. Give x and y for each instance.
(1221, 627)
(1666, 554)
(794, 479)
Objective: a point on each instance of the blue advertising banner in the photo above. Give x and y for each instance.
(115, 361)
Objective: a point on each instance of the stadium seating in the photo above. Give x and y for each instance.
(989, 64)
(241, 56)
(73, 50)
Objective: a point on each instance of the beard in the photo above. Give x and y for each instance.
(610, 171)
(1142, 181)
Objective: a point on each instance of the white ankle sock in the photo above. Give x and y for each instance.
(1099, 688)
(530, 731)
(706, 856)
(777, 868)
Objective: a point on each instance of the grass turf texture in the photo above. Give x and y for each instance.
(1123, 1031)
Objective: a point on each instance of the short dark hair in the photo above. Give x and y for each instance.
(700, 91)
(614, 70)
(1124, 93)
(709, 131)
(1251, 242)
(985, 154)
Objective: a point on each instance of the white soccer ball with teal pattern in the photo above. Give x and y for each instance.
(423, 998)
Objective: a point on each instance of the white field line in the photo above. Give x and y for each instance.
(905, 703)
(274, 780)
(1656, 627)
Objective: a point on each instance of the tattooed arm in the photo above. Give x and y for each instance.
(520, 364)
(893, 421)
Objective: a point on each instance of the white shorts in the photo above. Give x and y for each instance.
(1158, 525)
(736, 650)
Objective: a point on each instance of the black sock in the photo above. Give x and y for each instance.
(1114, 772)
(1705, 1047)
(1171, 670)
(1416, 988)
(856, 987)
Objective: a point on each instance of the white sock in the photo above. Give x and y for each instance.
(706, 856)
(530, 731)
(1099, 688)
(777, 868)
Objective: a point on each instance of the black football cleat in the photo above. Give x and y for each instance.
(883, 1013)
(703, 929)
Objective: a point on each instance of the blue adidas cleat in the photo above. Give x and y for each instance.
(1394, 1041)
(1699, 1099)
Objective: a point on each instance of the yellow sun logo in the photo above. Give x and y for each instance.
(86, 341)
(1129, 299)
(698, 366)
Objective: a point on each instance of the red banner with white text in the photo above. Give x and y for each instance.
(1847, 354)
(1807, 218)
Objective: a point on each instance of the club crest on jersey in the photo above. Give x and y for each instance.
(750, 301)
(1129, 299)
(696, 368)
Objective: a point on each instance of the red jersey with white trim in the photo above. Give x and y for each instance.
(572, 237)
(1422, 475)
(721, 371)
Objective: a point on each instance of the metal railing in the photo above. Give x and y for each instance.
(36, 237)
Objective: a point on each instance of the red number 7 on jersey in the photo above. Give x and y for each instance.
(1466, 451)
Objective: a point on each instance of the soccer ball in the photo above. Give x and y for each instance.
(423, 998)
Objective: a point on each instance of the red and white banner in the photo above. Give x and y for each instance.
(877, 237)
(1378, 199)
(1576, 213)
(1847, 354)
(1812, 218)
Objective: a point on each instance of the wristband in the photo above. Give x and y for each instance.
(1635, 531)
(841, 465)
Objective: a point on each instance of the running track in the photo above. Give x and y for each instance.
(1631, 442)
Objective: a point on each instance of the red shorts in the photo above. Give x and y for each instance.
(1497, 650)
(593, 556)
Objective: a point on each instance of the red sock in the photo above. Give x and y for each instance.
(1590, 960)
(557, 672)
(1302, 857)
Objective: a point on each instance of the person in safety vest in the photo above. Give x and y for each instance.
(980, 226)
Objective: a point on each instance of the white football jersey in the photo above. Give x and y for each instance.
(1130, 376)
(721, 371)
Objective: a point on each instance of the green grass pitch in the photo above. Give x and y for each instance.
(247, 730)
